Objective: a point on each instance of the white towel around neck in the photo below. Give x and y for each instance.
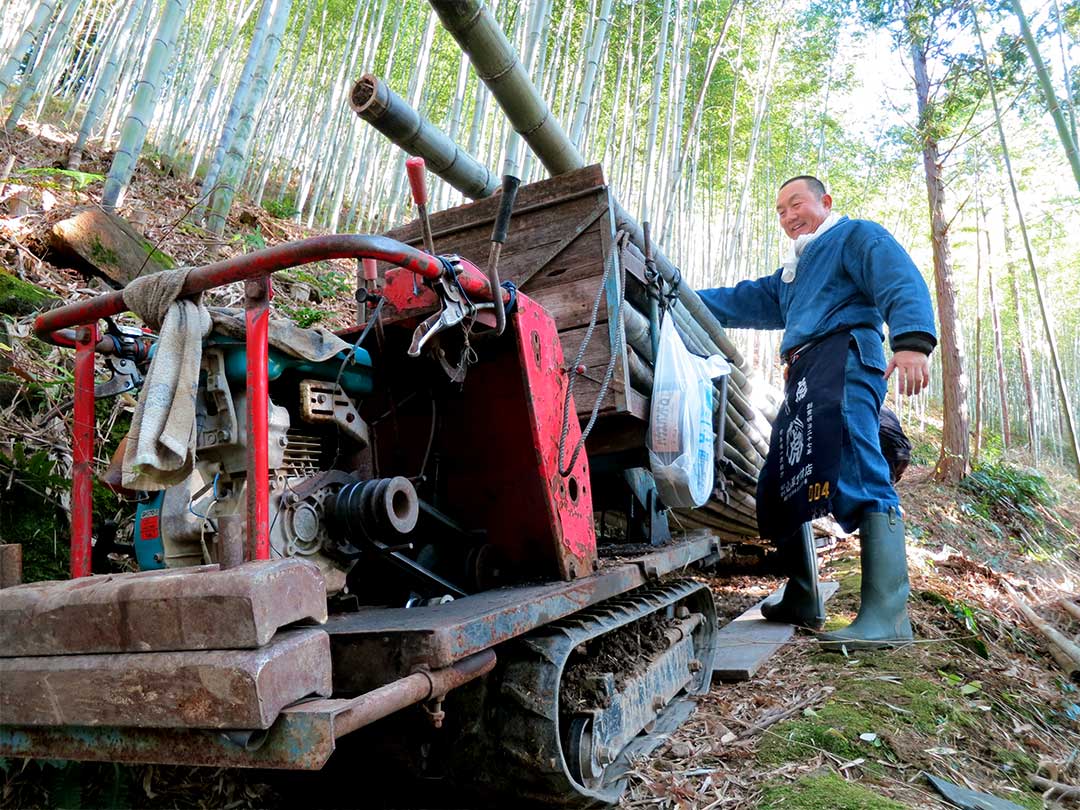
(800, 244)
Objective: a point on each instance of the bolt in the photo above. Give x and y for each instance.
(694, 665)
(604, 754)
(658, 703)
(580, 369)
(283, 442)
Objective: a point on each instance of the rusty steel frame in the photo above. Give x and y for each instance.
(302, 738)
(378, 644)
(255, 269)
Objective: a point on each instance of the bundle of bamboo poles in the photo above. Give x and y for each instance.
(732, 510)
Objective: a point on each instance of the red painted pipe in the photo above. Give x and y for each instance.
(264, 262)
(82, 452)
(257, 320)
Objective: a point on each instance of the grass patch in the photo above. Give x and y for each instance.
(882, 696)
(824, 792)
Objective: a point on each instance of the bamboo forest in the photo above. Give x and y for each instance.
(638, 164)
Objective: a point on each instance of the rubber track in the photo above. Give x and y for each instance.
(526, 724)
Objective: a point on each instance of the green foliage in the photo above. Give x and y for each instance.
(31, 512)
(326, 280)
(40, 178)
(282, 209)
(1001, 488)
(304, 317)
(964, 616)
(252, 240)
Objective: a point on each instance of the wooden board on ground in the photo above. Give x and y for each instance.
(749, 641)
(108, 245)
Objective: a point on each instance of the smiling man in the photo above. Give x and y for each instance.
(843, 280)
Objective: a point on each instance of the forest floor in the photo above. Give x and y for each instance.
(977, 700)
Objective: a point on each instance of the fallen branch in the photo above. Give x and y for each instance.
(1064, 651)
(1054, 790)
(1071, 608)
(770, 719)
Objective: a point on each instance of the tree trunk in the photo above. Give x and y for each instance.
(236, 157)
(1047, 87)
(979, 220)
(999, 357)
(647, 185)
(952, 464)
(142, 106)
(42, 14)
(240, 103)
(106, 84)
(1063, 391)
(44, 64)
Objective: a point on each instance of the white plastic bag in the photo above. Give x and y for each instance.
(681, 436)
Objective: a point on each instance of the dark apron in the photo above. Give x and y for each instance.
(798, 481)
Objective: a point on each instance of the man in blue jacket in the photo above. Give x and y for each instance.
(843, 279)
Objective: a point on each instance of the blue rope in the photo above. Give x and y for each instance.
(512, 303)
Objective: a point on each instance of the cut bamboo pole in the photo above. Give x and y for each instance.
(385, 110)
(1071, 608)
(1064, 651)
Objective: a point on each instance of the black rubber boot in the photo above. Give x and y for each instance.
(801, 603)
(883, 618)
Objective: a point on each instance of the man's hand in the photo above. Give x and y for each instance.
(913, 371)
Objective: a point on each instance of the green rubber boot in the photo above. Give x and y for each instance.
(883, 618)
(801, 603)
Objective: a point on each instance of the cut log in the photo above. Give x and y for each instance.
(196, 608)
(108, 245)
(235, 689)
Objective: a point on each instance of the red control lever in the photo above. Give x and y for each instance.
(414, 167)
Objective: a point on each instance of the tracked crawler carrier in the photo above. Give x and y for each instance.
(437, 537)
(402, 531)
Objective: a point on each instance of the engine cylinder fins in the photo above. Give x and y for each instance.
(374, 509)
(539, 751)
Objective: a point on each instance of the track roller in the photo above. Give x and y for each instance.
(577, 698)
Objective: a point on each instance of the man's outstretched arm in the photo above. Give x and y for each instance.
(748, 305)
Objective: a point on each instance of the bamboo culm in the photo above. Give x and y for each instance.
(142, 105)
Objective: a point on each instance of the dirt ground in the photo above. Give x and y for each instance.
(977, 700)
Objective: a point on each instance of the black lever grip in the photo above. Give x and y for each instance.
(506, 208)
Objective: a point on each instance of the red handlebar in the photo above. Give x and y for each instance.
(262, 263)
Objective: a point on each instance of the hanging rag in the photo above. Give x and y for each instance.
(160, 448)
(801, 243)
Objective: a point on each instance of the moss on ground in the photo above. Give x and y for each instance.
(18, 297)
(883, 696)
(824, 792)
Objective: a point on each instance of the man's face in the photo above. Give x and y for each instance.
(800, 210)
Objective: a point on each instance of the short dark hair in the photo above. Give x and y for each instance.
(816, 186)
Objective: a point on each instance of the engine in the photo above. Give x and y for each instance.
(321, 500)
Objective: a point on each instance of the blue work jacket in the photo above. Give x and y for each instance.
(855, 275)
